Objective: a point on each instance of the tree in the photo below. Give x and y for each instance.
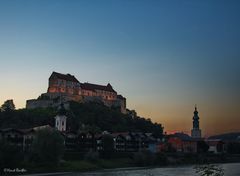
(202, 147)
(108, 145)
(47, 147)
(8, 105)
(11, 156)
(144, 158)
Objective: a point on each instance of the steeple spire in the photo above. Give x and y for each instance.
(196, 132)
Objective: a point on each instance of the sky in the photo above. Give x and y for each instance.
(164, 56)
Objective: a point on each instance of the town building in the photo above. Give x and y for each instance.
(65, 87)
(22, 138)
(180, 142)
(216, 146)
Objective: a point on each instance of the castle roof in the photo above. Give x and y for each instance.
(93, 87)
(67, 77)
(121, 97)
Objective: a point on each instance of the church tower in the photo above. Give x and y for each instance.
(196, 132)
(61, 119)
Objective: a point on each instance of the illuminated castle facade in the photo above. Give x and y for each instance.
(65, 87)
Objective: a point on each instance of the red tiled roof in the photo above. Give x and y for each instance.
(67, 77)
(93, 87)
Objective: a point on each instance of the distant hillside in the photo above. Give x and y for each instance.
(96, 117)
(227, 136)
(81, 117)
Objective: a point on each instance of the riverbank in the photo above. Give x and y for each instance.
(230, 169)
(139, 161)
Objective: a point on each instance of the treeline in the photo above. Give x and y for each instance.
(26, 118)
(93, 117)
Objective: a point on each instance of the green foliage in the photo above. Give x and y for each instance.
(78, 166)
(11, 156)
(202, 147)
(47, 147)
(100, 117)
(144, 158)
(84, 165)
(73, 155)
(147, 158)
(94, 117)
(209, 170)
(161, 159)
(108, 146)
(91, 156)
(8, 105)
(26, 118)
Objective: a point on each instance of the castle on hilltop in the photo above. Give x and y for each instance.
(63, 88)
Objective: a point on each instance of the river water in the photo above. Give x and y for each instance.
(231, 169)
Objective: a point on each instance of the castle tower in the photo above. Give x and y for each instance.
(61, 119)
(196, 132)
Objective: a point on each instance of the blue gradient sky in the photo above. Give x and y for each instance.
(164, 56)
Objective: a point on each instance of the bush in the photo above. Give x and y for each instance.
(108, 146)
(11, 156)
(161, 159)
(91, 156)
(47, 147)
(144, 158)
(73, 155)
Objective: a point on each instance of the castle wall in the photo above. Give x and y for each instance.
(64, 88)
(34, 103)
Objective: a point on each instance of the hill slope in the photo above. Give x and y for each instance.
(88, 116)
(227, 136)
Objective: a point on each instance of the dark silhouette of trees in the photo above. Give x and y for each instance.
(202, 147)
(8, 105)
(93, 117)
(11, 156)
(108, 146)
(47, 147)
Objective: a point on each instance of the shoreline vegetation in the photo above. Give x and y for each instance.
(133, 162)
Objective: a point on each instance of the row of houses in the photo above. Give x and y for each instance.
(180, 142)
(121, 142)
(85, 141)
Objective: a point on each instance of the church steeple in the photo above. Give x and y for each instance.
(195, 119)
(61, 119)
(196, 132)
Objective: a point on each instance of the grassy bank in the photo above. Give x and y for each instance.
(138, 160)
(80, 165)
(83, 165)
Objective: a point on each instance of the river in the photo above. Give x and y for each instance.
(230, 169)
